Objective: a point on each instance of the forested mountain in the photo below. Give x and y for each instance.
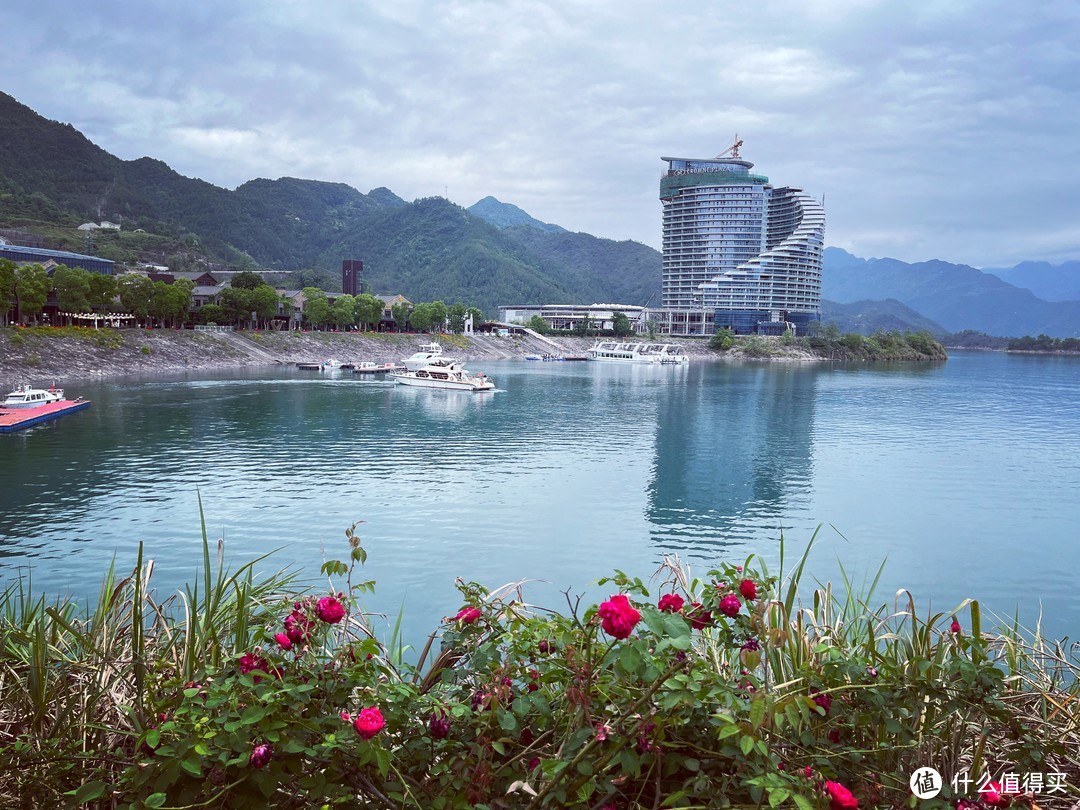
(867, 317)
(955, 295)
(505, 215)
(1049, 282)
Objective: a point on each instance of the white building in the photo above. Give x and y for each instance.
(567, 317)
(738, 253)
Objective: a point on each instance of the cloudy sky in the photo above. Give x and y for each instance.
(933, 129)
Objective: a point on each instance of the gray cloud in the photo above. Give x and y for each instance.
(934, 130)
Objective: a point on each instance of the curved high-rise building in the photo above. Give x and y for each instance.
(738, 253)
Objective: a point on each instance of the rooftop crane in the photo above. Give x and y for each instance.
(733, 149)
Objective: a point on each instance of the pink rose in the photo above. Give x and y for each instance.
(283, 641)
(670, 603)
(730, 605)
(369, 722)
(748, 589)
(618, 616)
(840, 798)
(261, 756)
(251, 662)
(993, 795)
(467, 615)
(330, 610)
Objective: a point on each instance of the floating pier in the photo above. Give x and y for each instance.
(14, 419)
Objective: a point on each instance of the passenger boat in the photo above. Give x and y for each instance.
(613, 351)
(424, 355)
(27, 397)
(449, 374)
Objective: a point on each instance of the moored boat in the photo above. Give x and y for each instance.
(27, 397)
(613, 351)
(448, 374)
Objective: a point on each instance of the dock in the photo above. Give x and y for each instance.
(14, 419)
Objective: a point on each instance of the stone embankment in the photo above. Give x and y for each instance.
(37, 356)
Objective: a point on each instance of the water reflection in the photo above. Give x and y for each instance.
(734, 457)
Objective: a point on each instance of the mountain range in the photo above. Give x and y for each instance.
(52, 178)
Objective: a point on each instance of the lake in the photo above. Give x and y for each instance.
(962, 477)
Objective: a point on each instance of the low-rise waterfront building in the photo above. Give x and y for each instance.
(567, 317)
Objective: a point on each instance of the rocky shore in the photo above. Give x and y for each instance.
(43, 355)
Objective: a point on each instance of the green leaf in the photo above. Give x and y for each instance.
(802, 802)
(757, 711)
(155, 800)
(728, 731)
(778, 796)
(585, 768)
(89, 791)
(252, 715)
(192, 766)
(153, 738)
(746, 744)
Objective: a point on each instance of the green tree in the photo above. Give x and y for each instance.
(246, 280)
(103, 290)
(316, 306)
(180, 297)
(343, 311)
(369, 309)
(722, 340)
(72, 285)
(422, 317)
(264, 302)
(236, 301)
(212, 313)
(583, 327)
(455, 315)
(7, 289)
(32, 285)
(538, 324)
(400, 314)
(620, 325)
(135, 294)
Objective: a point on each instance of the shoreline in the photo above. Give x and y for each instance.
(33, 355)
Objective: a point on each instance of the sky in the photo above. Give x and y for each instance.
(937, 129)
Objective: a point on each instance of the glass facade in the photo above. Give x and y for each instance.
(735, 244)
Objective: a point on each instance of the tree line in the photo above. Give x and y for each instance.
(247, 300)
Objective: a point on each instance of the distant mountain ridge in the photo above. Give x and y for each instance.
(491, 254)
(506, 215)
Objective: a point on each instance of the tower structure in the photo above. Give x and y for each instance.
(738, 252)
(352, 276)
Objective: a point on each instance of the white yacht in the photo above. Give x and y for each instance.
(444, 373)
(27, 397)
(424, 355)
(614, 351)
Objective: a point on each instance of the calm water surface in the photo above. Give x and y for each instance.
(964, 478)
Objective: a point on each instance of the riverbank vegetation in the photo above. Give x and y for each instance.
(740, 688)
(831, 345)
(1044, 343)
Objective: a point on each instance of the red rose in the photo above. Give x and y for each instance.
(993, 795)
(670, 603)
(283, 641)
(822, 700)
(618, 615)
(748, 589)
(369, 722)
(840, 798)
(298, 627)
(467, 615)
(330, 610)
(730, 605)
(439, 725)
(250, 662)
(261, 756)
(954, 627)
(699, 617)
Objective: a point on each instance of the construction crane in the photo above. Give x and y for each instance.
(733, 149)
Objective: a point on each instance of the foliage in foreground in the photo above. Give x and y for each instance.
(831, 345)
(715, 692)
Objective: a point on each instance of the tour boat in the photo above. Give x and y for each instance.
(27, 397)
(449, 374)
(613, 351)
(427, 353)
